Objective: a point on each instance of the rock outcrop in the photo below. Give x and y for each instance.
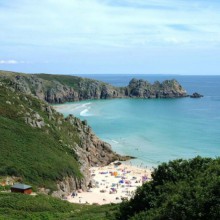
(143, 89)
(196, 95)
(91, 151)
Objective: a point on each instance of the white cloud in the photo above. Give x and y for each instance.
(12, 62)
(9, 62)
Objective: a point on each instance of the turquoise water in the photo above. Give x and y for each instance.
(157, 130)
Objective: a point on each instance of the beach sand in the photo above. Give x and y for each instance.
(112, 184)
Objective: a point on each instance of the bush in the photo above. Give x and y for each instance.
(180, 189)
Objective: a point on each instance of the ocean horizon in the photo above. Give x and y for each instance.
(156, 130)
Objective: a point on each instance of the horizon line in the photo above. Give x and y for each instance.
(72, 74)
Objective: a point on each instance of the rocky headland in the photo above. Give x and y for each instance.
(61, 88)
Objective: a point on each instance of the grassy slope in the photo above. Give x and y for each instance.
(10, 73)
(39, 158)
(32, 153)
(19, 206)
(71, 81)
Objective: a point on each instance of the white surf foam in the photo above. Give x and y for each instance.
(116, 142)
(78, 106)
(85, 112)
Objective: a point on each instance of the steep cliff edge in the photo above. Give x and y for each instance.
(40, 147)
(61, 88)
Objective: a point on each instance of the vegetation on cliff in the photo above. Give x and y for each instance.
(18, 206)
(36, 154)
(42, 148)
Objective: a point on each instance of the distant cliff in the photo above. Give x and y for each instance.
(62, 88)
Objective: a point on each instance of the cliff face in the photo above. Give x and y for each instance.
(91, 151)
(60, 88)
(41, 147)
(54, 91)
(166, 89)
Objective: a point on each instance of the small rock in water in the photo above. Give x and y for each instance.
(196, 95)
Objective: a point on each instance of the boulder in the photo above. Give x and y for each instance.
(196, 95)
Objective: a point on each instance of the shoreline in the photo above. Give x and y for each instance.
(113, 183)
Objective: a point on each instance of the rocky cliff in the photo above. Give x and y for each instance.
(42, 148)
(90, 151)
(143, 89)
(60, 88)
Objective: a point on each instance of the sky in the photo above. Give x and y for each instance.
(110, 36)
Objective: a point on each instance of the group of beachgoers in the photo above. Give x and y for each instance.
(112, 184)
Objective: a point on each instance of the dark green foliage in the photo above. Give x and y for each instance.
(5, 188)
(180, 189)
(18, 206)
(35, 154)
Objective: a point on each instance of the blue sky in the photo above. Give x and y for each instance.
(110, 36)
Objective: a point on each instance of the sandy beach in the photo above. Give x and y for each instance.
(112, 184)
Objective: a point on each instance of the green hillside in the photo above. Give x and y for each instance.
(21, 207)
(40, 156)
(71, 81)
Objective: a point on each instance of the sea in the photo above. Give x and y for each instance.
(156, 130)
